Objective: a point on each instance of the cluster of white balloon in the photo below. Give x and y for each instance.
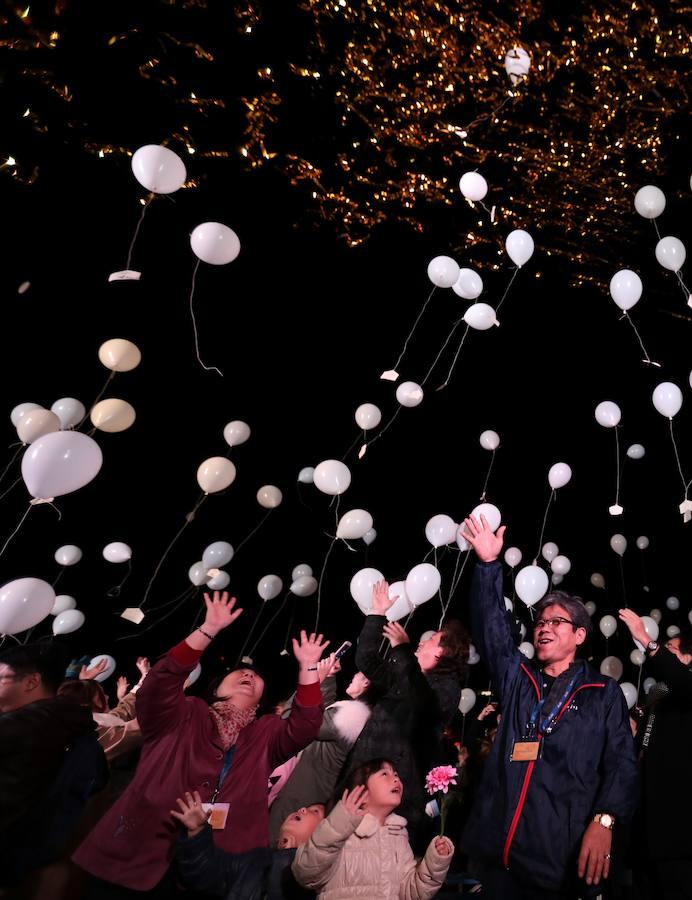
(649, 202)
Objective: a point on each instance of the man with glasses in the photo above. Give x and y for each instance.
(562, 772)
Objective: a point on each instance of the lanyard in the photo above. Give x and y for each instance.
(227, 760)
(547, 723)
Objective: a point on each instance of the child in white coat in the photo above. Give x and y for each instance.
(361, 850)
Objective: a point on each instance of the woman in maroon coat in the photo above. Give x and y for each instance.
(187, 744)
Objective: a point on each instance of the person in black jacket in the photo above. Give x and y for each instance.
(420, 691)
(666, 755)
(562, 771)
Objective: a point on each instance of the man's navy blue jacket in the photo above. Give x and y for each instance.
(530, 817)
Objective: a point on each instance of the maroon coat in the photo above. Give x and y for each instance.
(133, 844)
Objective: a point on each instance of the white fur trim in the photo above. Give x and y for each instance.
(349, 719)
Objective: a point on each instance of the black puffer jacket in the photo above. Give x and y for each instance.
(407, 723)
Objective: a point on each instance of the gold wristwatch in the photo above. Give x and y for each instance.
(605, 819)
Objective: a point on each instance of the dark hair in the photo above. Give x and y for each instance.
(86, 692)
(209, 694)
(685, 639)
(41, 659)
(572, 605)
(454, 642)
(359, 776)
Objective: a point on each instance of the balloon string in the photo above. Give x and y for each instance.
(617, 467)
(9, 464)
(514, 590)
(487, 477)
(98, 397)
(442, 349)
(187, 596)
(385, 428)
(115, 590)
(194, 324)
(188, 592)
(353, 445)
(21, 522)
(639, 679)
(456, 570)
(415, 325)
(58, 577)
(490, 115)
(684, 287)
(319, 586)
(621, 565)
(647, 359)
(454, 361)
(266, 627)
(455, 585)
(408, 619)
(139, 225)
(685, 484)
(254, 530)
(545, 519)
(290, 624)
(511, 280)
(188, 518)
(258, 615)
(13, 485)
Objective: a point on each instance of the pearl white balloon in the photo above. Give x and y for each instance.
(216, 474)
(69, 555)
(608, 414)
(21, 410)
(473, 186)
(462, 543)
(671, 253)
(656, 615)
(305, 586)
(443, 271)
(474, 657)
(630, 692)
(269, 496)
(24, 603)
(402, 605)
(198, 574)
(672, 631)
(301, 570)
(354, 524)
(636, 451)
(649, 201)
(559, 475)
(469, 284)
(467, 701)
(618, 543)
(332, 477)
(673, 603)
(626, 288)
(110, 667)
(561, 565)
(219, 581)
(637, 657)
(590, 607)
(441, 530)
(62, 603)
(531, 584)
(158, 169)
(422, 583)
(527, 649)
(117, 552)
(480, 316)
(368, 416)
(651, 628)
(409, 394)
(517, 64)
(492, 514)
(60, 463)
(513, 557)
(598, 581)
(642, 542)
(608, 626)
(509, 606)
(549, 551)
(667, 398)
(119, 355)
(68, 621)
(519, 246)
(306, 475)
(612, 667)
(36, 423)
(490, 440)
(361, 587)
(236, 433)
(215, 243)
(193, 676)
(70, 411)
(648, 684)
(217, 554)
(557, 579)
(369, 536)
(269, 587)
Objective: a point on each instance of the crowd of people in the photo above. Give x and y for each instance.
(560, 791)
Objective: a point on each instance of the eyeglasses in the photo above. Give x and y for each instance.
(554, 624)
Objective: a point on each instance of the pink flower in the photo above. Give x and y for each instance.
(440, 778)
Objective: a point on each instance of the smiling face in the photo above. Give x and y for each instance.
(298, 827)
(385, 790)
(358, 686)
(556, 643)
(429, 652)
(244, 688)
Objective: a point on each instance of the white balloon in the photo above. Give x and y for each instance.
(608, 414)
(108, 671)
(473, 186)
(37, 423)
(626, 288)
(441, 530)
(636, 451)
(158, 169)
(531, 584)
(215, 474)
(656, 615)
(557, 579)
(219, 581)
(193, 676)
(361, 587)
(332, 477)
(368, 416)
(354, 524)
(269, 496)
(70, 411)
(306, 475)
(62, 603)
(198, 574)
(369, 536)
(422, 583)
(443, 271)
(474, 657)
(490, 440)
(215, 243)
(117, 552)
(637, 657)
(549, 551)
(667, 398)
(469, 284)
(527, 649)
(671, 253)
(119, 355)
(425, 636)
(590, 607)
(467, 701)
(305, 586)
(559, 475)
(269, 587)
(462, 543)
(492, 514)
(618, 543)
(672, 631)
(673, 603)
(509, 606)
(217, 554)
(480, 316)
(612, 667)
(560, 566)
(608, 626)
(642, 542)
(630, 692)
(402, 605)
(517, 64)
(651, 628)
(522, 631)
(409, 394)
(24, 603)
(598, 581)
(689, 616)
(648, 684)
(649, 201)
(301, 570)
(21, 410)
(68, 621)
(519, 246)
(236, 433)
(513, 557)
(68, 555)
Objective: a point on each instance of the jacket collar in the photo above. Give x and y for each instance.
(369, 825)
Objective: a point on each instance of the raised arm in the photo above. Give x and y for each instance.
(664, 664)
(368, 658)
(423, 880)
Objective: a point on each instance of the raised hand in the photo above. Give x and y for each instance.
(309, 649)
(190, 813)
(355, 800)
(86, 674)
(143, 665)
(481, 537)
(221, 612)
(122, 687)
(443, 846)
(395, 634)
(328, 667)
(635, 625)
(380, 598)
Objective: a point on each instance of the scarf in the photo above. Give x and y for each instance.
(229, 721)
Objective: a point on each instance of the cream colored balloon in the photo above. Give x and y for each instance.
(113, 415)
(215, 474)
(35, 424)
(120, 355)
(269, 496)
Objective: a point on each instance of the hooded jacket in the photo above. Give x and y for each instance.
(530, 816)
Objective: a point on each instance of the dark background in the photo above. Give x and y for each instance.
(302, 326)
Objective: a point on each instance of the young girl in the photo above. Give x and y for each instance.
(361, 849)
